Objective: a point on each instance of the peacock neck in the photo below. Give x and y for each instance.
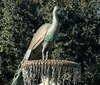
(54, 29)
(55, 19)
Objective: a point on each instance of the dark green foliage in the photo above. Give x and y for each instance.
(79, 38)
(17, 27)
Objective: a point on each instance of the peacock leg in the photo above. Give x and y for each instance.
(43, 50)
(46, 55)
(43, 53)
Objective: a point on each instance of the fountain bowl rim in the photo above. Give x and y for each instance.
(51, 63)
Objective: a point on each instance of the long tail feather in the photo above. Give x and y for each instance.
(18, 72)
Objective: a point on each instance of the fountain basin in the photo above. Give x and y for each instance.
(51, 72)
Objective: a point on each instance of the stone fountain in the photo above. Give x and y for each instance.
(51, 72)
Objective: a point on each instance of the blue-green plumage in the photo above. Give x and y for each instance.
(50, 37)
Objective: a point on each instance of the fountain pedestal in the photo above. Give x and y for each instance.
(51, 72)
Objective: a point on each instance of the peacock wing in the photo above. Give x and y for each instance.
(39, 36)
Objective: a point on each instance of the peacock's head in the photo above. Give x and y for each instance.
(56, 8)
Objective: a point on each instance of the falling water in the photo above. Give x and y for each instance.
(51, 72)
